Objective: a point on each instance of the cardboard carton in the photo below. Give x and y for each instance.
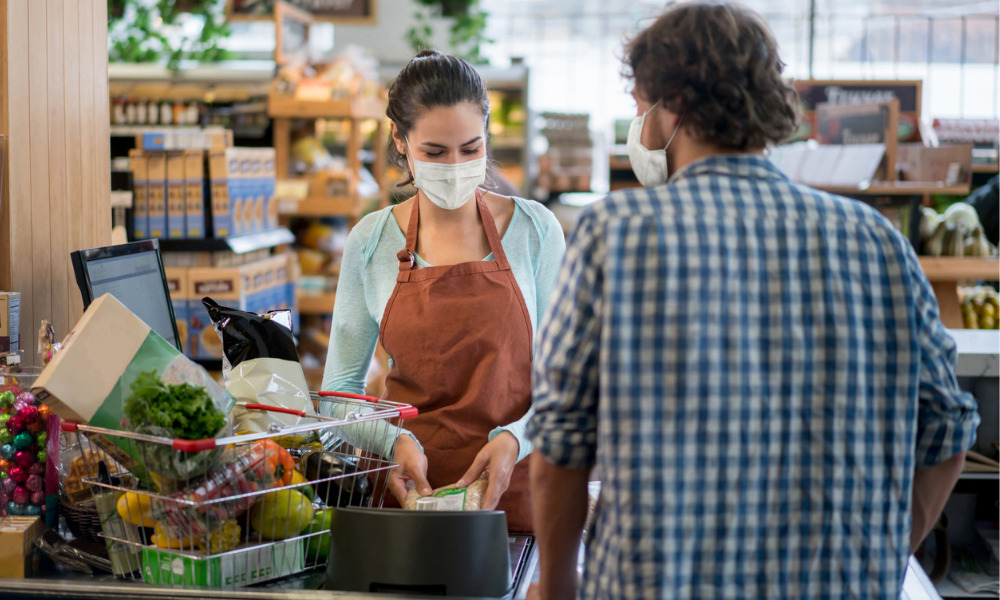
(10, 322)
(194, 193)
(138, 163)
(157, 193)
(176, 204)
(17, 546)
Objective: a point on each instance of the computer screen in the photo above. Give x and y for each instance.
(132, 273)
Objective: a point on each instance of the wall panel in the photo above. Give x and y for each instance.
(54, 111)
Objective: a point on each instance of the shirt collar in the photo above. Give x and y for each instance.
(752, 166)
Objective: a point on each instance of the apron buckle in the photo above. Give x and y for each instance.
(413, 259)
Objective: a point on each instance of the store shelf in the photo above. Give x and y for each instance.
(316, 304)
(898, 188)
(950, 268)
(239, 244)
(322, 206)
(282, 106)
(948, 589)
(986, 168)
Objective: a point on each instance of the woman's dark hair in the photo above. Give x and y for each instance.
(429, 80)
(718, 64)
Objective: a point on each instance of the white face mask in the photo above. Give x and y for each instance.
(649, 166)
(448, 185)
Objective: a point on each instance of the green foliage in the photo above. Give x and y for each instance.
(136, 31)
(466, 33)
(185, 411)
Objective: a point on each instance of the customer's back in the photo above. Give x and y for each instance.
(766, 415)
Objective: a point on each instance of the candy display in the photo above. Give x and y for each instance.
(22, 454)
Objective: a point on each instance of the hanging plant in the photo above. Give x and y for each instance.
(155, 31)
(467, 31)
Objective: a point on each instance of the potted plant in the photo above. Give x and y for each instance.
(467, 31)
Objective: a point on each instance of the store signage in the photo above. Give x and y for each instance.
(814, 92)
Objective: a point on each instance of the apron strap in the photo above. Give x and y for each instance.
(406, 257)
(491, 231)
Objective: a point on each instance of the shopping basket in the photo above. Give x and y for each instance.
(241, 516)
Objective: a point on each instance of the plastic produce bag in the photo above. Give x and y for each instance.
(260, 365)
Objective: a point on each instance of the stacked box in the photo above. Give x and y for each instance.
(194, 193)
(184, 138)
(10, 322)
(138, 163)
(229, 287)
(157, 193)
(220, 177)
(176, 204)
(269, 174)
(286, 278)
(177, 283)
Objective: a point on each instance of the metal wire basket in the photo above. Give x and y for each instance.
(260, 512)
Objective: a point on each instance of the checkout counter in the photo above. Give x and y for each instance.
(308, 585)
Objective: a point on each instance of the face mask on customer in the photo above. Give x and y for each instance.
(448, 185)
(649, 166)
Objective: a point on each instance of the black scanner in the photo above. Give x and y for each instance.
(452, 553)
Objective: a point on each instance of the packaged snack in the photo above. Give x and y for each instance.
(449, 497)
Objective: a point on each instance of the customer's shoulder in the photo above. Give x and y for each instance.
(368, 230)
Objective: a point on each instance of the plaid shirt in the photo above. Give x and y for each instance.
(756, 368)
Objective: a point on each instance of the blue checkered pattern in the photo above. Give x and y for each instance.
(756, 368)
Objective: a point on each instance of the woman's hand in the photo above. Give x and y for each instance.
(497, 458)
(412, 466)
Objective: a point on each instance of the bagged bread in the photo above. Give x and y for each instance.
(449, 497)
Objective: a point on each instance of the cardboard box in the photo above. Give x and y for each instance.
(10, 322)
(269, 174)
(180, 293)
(157, 194)
(238, 569)
(194, 193)
(17, 546)
(221, 172)
(229, 287)
(176, 203)
(184, 138)
(951, 165)
(138, 163)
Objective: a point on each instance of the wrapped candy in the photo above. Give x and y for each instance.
(8, 485)
(14, 508)
(33, 510)
(15, 424)
(29, 413)
(38, 498)
(24, 459)
(23, 440)
(17, 475)
(7, 451)
(33, 484)
(42, 456)
(44, 412)
(20, 495)
(7, 399)
(37, 469)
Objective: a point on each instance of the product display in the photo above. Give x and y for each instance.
(449, 498)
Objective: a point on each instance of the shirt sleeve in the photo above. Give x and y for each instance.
(947, 417)
(565, 378)
(353, 334)
(552, 247)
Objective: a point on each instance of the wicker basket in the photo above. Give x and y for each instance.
(82, 519)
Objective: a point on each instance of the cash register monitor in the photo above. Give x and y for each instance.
(133, 274)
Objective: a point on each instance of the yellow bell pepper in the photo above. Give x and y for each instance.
(135, 509)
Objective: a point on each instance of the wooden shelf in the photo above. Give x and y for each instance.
(282, 106)
(950, 268)
(321, 206)
(899, 188)
(316, 304)
(619, 163)
(986, 168)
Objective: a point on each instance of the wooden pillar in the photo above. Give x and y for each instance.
(56, 179)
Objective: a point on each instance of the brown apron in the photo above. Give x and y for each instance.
(460, 341)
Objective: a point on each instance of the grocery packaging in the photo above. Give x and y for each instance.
(449, 497)
(260, 365)
(331, 474)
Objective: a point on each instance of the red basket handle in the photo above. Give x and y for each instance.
(327, 394)
(194, 445)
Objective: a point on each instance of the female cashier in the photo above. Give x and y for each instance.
(452, 281)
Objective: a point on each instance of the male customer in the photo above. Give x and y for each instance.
(757, 369)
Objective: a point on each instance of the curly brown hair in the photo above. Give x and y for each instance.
(718, 64)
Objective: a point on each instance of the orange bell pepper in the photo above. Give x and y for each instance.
(278, 461)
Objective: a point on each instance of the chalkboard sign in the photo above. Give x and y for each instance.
(814, 92)
(855, 124)
(357, 12)
(291, 31)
